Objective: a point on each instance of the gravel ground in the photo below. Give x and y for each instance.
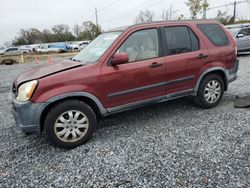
(173, 144)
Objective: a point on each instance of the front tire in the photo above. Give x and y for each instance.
(210, 91)
(69, 124)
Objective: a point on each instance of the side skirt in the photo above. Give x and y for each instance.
(149, 101)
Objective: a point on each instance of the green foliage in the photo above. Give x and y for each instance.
(223, 17)
(62, 33)
(90, 31)
(242, 21)
(226, 19)
(58, 33)
(195, 7)
(87, 31)
(28, 36)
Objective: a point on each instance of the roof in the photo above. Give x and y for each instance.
(123, 28)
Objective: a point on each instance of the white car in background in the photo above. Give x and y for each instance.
(44, 49)
(78, 45)
(12, 51)
(26, 49)
(2, 50)
(52, 47)
(16, 50)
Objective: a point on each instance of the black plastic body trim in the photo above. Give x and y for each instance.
(150, 101)
(148, 87)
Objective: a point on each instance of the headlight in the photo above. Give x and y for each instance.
(26, 90)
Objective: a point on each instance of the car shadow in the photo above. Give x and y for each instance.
(144, 113)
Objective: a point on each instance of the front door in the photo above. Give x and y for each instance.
(141, 78)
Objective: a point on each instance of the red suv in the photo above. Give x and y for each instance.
(122, 69)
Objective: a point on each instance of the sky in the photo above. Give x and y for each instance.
(41, 14)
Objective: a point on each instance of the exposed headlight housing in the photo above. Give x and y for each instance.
(26, 90)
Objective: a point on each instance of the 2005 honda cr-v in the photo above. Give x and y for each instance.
(122, 69)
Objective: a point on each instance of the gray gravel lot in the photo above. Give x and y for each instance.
(173, 144)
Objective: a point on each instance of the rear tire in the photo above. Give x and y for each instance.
(210, 91)
(69, 124)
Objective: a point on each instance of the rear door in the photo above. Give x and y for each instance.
(142, 77)
(221, 47)
(185, 55)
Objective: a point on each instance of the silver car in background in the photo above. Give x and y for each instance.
(241, 34)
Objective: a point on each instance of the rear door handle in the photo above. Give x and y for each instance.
(202, 56)
(154, 65)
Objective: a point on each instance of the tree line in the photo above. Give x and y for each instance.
(195, 8)
(58, 33)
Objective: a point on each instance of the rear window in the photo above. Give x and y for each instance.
(214, 33)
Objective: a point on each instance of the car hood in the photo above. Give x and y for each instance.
(42, 71)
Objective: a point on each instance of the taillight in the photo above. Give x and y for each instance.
(236, 49)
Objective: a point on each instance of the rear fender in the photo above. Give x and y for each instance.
(210, 70)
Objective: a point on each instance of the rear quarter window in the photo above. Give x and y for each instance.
(214, 33)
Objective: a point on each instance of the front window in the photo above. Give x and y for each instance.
(141, 45)
(92, 52)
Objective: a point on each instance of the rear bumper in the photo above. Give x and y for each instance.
(27, 116)
(232, 73)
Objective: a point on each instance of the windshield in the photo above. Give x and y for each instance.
(92, 52)
(233, 31)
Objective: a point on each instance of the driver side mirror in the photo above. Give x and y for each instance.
(119, 58)
(240, 35)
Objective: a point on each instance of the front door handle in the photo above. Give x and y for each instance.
(202, 56)
(154, 65)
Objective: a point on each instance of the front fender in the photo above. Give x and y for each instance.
(79, 94)
(51, 95)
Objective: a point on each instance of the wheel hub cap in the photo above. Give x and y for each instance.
(71, 126)
(212, 91)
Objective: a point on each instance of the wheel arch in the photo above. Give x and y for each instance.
(214, 70)
(85, 97)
